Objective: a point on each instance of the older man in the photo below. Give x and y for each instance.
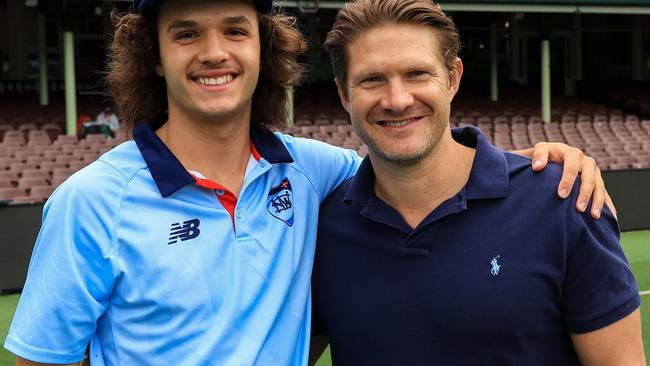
(444, 250)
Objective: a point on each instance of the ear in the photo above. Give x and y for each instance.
(343, 96)
(159, 69)
(454, 77)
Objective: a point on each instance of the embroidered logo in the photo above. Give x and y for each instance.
(279, 203)
(186, 231)
(495, 266)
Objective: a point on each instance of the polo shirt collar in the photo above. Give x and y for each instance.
(170, 175)
(488, 177)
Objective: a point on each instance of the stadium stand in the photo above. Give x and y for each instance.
(35, 157)
(32, 147)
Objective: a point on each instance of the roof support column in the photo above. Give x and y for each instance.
(637, 47)
(42, 61)
(546, 81)
(70, 84)
(494, 64)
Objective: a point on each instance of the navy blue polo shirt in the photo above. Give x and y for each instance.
(499, 274)
(155, 265)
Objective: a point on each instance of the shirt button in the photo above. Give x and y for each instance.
(220, 192)
(239, 213)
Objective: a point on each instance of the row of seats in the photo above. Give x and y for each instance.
(615, 145)
(35, 157)
(28, 174)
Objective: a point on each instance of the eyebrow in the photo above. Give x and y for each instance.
(236, 20)
(182, 24)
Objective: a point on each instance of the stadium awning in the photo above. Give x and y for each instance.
(515, 6)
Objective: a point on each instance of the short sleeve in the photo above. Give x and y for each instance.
(71, 272)
(326, 166)
(599, 287)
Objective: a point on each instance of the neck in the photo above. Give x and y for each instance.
(417, 189)
(218, 150)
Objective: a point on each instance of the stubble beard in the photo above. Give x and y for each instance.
(403, 155)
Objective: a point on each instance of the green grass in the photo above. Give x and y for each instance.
(7, 307)
(636, 245)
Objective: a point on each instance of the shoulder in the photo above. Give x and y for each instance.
(304, 150)
(324, 165)
(522, 176)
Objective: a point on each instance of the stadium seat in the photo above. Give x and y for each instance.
(20, 167)
(11, 193)
(26, 200)
(76, 165)
(65, 159)
(64, 140)
(89, 157)
(41, 191)
(49, 165)
(27, 183)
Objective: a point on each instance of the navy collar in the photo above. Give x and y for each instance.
(488, 177)
(170, 175)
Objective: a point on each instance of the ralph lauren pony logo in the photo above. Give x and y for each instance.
(279, 203)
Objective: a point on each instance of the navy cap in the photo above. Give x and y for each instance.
(146, 7)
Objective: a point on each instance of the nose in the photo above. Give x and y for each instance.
(398, 97)
(213, 49)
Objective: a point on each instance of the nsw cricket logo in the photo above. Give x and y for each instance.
(186, 231)
(279, 203)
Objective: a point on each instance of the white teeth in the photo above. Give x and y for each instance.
(222, 80)
(396, 123)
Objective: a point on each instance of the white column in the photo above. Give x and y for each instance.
(494, 64)
(546, 81)
(70, 84)
(42, 61)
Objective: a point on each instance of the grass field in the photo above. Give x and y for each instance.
(636, 246)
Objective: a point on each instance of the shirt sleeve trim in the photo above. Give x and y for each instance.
(606, 319)
(39, 355)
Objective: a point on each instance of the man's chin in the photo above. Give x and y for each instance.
(398, 156)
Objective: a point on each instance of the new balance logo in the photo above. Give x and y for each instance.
(188, 230)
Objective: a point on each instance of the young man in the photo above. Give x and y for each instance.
(194, 243)
(443, 250)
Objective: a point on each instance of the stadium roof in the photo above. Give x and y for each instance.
(515, 6)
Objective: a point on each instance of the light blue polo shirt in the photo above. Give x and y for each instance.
(153, 269)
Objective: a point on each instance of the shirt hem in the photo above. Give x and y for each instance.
(607, 319)
(36, 355)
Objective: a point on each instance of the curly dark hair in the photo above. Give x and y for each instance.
(140, 94)
(360, 15)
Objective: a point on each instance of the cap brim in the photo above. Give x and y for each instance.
(148, 7)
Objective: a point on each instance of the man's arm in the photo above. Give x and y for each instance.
(618, 344)
(575, 163)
